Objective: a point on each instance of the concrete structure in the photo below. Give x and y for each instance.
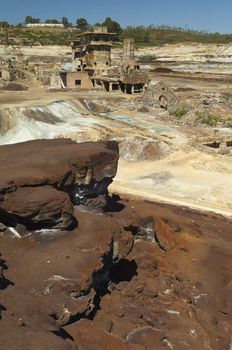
(132, 78)
(92, 55)
(92, 50)
(55, 81)
(128, 49)
(76, 80)
(133, 82)
(92, 66)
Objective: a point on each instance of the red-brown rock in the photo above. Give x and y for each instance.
(39, 206)
(89, 337)
(165, 235)
(59, 162)
(145, 336)
(39, 180)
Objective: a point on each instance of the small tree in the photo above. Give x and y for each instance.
(30, 19)
(4, 24)
(65, 22)
(112, 26)
(82, 24)
(52, 21)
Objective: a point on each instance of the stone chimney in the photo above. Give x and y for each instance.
(128, 50)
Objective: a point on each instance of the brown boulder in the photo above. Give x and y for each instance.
(165, 235)
(89, 337)
(145, 336)
(123, 244)
(36, 206)
(39, 180)
(58, 162)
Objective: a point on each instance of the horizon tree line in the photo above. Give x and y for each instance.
(151, 34)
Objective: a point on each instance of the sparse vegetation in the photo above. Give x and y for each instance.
(113, 27)
(208, 119)
(38, 36)
(148, 58)
(160, 35)
(82, 24)
(30, 19)
(178, 111)
(144, 36)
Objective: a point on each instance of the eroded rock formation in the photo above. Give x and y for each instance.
(41, 180)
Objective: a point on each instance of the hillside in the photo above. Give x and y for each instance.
(153, 36)
(144, 36)
(37, 36)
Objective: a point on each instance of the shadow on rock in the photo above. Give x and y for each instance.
(124, 270)
(4, 282)
(2, 308)
(113, 204)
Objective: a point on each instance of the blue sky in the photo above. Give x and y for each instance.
(212, 15)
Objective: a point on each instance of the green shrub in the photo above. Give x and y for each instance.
(208, 119)
(178, 111)
(148, 58)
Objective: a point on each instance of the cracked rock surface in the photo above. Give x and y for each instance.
(103, 287)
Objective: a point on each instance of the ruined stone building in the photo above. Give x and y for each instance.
(93, 49)
(11, 70)
(91, 60)
(92, 65)
(159, 94)
(132, 79)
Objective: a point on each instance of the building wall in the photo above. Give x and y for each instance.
(55, 82)
(157, 93)
(82, 77)
(128, 49)
(99, 57)
(102, 58)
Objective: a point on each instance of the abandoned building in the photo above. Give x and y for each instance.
(91, 60)
(92, 50)
(12, 69)
(159, 95)
(92, 65)
(132, 79)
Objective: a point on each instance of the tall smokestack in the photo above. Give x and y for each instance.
(128, 49)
